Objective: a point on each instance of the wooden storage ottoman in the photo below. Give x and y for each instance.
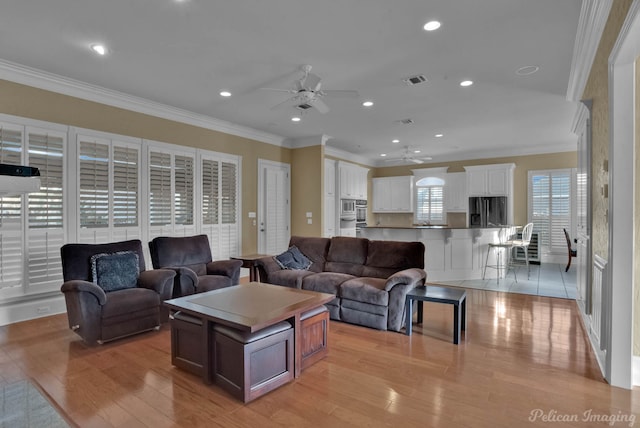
(189, 344)
(314, 325)
(248, 365)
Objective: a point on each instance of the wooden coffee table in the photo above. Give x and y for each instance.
(247, 307)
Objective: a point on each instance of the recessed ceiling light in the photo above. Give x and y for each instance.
(432, 25)
(225, 93)
(439, 135)
(466, 83)
(527, 70)
(295, 119)
(395, 141)
(367, 103)
(99, 49)
(383, 154)
(416, 151)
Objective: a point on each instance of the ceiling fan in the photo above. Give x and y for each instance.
(409, 156)
(308, 93)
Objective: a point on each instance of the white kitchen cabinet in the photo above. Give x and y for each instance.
(330, 213)
(455, 194)
(490, 180)
(329, 177)
(393, 194)
(352, 181)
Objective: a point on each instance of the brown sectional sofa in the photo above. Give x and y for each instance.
(370, 279)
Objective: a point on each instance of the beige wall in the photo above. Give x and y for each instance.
(29, 102)
(307, 190)
(523, 165)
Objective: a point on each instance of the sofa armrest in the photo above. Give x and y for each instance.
(229, 268)
(413, 276)
(79, 286)
(266, 265)
(160, 280)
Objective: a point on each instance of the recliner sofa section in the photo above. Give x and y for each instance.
(370, 279)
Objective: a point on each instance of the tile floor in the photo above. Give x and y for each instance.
(547, 279)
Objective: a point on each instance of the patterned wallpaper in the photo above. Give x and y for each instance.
(597, 90)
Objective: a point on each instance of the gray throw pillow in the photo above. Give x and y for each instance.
(115, 271)
(293, 259)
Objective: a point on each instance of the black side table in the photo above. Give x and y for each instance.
(433, 293)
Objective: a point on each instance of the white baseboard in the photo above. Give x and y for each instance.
(635, 370)
(31, 309)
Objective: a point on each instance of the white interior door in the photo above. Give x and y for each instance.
(273, 206)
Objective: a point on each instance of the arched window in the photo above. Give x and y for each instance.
(430, 200)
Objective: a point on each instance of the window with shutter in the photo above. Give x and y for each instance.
(125, 186)
(183, 190)
(210, 191)
(430, 200)
(45, 209)
(11, 235)
(550, 208)
(94, 184)
(160, 194)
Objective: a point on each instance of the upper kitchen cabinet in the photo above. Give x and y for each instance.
(352, 181)
(393, 194)
(329, 177)
(490, 180)
(456, 198)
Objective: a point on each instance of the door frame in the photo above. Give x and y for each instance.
(263, 164)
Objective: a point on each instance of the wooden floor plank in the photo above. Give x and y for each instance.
(519, 353)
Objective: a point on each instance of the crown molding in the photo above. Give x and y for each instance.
(344, 155)
(580, 118)
(315, 140)
(53, 82)
(593, 18)
(623, 50)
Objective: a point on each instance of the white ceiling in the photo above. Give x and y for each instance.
(183, 53)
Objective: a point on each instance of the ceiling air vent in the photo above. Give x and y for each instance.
(406, 121)
(304, 106)
(415, 80)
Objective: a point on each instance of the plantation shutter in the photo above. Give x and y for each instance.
(125, 186)
(94, 185)
(11, 233)
(183, 190)
(45, 208)
(430, 200)
(160, 194)
(550, 207)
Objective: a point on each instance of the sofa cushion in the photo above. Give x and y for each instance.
(315, 249)
(130, 301)
(325, 282)
(289, 278)
(384, 258)
(115, 271)
(293, 259)
(347, 255)
(366, 290)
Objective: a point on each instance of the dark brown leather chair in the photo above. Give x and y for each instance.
(190, 257)
(100, 313)
(572, 252)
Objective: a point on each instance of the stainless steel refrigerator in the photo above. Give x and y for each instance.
(487, 211)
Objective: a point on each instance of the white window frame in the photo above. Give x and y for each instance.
(438, 178)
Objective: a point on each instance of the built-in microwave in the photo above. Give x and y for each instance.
(347, 209)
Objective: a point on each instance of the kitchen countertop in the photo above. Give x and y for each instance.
(426, 227)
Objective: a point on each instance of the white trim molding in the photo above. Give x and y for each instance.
(593, 18)
(63, 85)
(619, 365)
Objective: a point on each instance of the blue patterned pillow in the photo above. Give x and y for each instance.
(115, 271)
(293, 259)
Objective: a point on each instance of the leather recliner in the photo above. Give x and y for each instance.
(99, 316)
(190, 257)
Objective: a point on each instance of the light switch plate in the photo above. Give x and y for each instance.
(309, 214)
(252, 214)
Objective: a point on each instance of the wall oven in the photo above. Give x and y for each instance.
(361, 215)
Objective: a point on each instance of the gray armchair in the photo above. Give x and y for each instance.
(191, 259)
(108, 292)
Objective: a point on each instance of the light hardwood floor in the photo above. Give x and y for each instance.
(520, 353)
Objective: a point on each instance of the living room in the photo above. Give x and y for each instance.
(28, 102)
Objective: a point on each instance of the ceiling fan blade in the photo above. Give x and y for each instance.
(287, 101)
(312, 82)
(319, 105)
(341, 93)
(291, 91)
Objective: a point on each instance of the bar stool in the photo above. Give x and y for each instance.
(504, 245)
(523, 243)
